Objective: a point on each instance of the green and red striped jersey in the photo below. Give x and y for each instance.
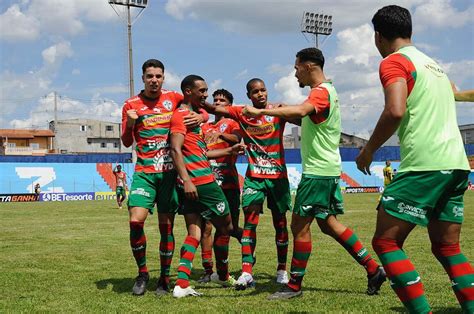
(194, 149)
(264, 139)
(223, 168)
(151, 129)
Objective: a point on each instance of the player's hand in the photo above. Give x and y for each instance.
(190, 191)
(193, 120)
(363, 160)
(132, 115)
(238, 149)
(250, 111)
(211, 137)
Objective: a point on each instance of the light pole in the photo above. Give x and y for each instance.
(141, 5)
(316, 24)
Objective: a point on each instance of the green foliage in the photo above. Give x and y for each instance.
(75, 256)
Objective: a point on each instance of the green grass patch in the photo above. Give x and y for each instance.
(75, 257)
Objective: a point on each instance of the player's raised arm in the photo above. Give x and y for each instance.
(129, 116)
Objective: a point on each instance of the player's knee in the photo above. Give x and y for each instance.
(381, 246)
(440, 249)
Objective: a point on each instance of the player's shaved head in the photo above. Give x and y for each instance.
(189, 81)
(251, 82)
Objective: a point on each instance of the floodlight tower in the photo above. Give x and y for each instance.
(140, 4)
(316, 24)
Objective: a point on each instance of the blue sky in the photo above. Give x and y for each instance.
(79, 49)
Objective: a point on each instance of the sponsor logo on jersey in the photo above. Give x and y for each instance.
(157, 119)
(261, 129)
(249, 191)
(387, 198)
(168, 105)
(435, 69)
(140, 191)
(411, 210)
(458, 211)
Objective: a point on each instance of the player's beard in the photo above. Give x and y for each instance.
(301, 85)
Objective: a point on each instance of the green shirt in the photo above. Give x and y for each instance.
(321, 133)
(429, 134)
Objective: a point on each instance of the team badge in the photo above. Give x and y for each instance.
(220, 207)
(157, 110)
(223, 127)
(168, 105)
(269, 119)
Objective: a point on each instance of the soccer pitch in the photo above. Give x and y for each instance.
(75, 256)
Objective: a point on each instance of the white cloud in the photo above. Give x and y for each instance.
(279, 69)
(111, 89)
(216, 84)
(172, 81)
(57, 52)
(51, 17)
(357, 45)
(441, 14)
(242, 74)
(288, 90)
(270, 16)
(22, 88)
(43, 112)
(20, 26)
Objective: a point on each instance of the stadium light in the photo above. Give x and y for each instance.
(316, 24)
(140, 4)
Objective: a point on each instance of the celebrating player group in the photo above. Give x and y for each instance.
(186, 166)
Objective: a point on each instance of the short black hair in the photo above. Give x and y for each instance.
(393, 22)
(189, 81)
(225, 93)
(152, 63)
(250, 83)
(311, 55)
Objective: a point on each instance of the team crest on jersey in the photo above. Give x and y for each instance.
(168, 105)
(223, 127)
(220, 207)
(157, 110)
(269, 119)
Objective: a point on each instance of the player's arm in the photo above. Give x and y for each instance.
(237, 149)
(395, 106)
(286, 112)
(211, 108)
(129, 116)
(230, 138)
(467, 95)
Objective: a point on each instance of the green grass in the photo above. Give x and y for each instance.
(75, 256)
